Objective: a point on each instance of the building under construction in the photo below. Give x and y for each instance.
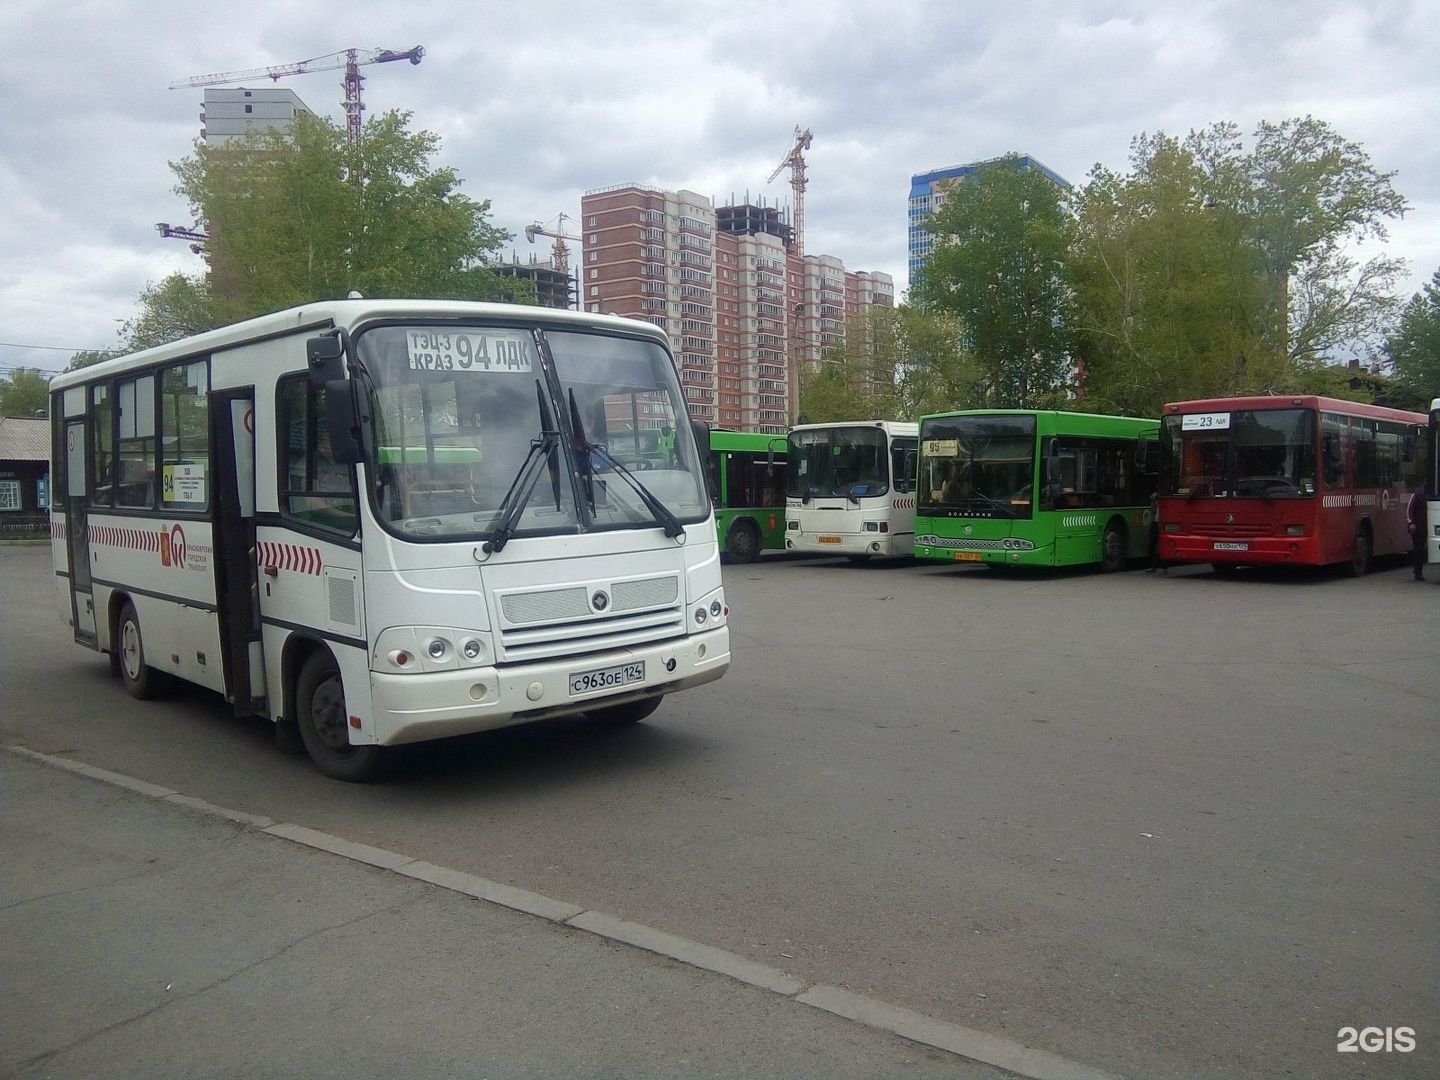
(746, 309)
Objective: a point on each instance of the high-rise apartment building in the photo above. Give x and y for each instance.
(927, 194)
(226, 114)
(744, 312)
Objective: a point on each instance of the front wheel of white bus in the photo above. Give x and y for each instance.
(323, 721)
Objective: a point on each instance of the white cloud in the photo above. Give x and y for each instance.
(538, 102)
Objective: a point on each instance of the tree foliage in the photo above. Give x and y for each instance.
(1211, 270)
(177, 307)
(896, 363)
(25, 392)
(300, 214)
(1414, 347)
(998, 265)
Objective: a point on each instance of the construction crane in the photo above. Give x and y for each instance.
(561, 253)
(349, 59)
(795, 160)
(176, 232)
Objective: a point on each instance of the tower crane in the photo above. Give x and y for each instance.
(561, 253)
(795, 160)
(349, 59)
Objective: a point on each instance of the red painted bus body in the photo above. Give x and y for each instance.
(1307, 480)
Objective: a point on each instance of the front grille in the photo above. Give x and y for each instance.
(1219, 528)
(543, 624)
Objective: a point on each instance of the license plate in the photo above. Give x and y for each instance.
(607, 678)
(829, 540)
(969, 556)
(1230, 545)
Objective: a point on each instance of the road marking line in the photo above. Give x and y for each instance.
(1024, 1061)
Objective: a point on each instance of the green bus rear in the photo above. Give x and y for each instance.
(747, 486)
(1036, 488)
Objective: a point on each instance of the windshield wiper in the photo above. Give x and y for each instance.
(658, 510)
(523, 486)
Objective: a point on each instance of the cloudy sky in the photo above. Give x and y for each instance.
(538, 101)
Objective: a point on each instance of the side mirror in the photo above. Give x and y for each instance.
(342, 421)
(326, 357)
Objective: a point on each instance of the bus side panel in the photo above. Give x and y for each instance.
(166, 569)
(312, 586)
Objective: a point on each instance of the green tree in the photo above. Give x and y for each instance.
(1168, 295)
(175, 308)
(300, 214)
(1213, 270)
(1309, 192)
(1414, 347)
(25, 392)
(998, 265)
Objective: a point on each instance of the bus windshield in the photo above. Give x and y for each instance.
(460, 414)
(839, 462)
(1249, 453)
(977, 465)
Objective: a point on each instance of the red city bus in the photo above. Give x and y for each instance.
(1305, 480)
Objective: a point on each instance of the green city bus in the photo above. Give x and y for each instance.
(747, 486)
(1036, 488)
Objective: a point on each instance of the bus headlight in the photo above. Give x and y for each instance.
(437, 648)
(471, 648)
(1294, 530)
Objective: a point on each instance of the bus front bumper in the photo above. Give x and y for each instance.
(878, 544)
(438, 704)
(1180, 547)
(1042, 555)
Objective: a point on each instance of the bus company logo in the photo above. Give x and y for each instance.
(172, 547)
(1388, 501)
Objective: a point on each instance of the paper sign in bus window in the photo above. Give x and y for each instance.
(184, 483)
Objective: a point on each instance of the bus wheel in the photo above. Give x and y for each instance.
(1359, 554)
(1112, 549)
(743, 543)
(323, 722)
(139, 678)
(632, 712)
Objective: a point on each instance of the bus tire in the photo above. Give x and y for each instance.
(742, 544)
(1114, 554)
(631, 712)
(323, 721)
(141, 681)
(1359, 553)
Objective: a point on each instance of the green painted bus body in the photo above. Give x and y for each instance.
(747, 486)
(1035, 488)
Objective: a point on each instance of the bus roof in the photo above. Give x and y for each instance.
(895, 427)
(324, 314)
(1293, 401)
(1058, 414)
(724, 439)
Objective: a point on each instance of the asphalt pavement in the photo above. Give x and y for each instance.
(145, 933)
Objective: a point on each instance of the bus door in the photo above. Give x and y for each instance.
(77, 531)
(237, 584)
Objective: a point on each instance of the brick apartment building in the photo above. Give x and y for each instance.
(745, 313)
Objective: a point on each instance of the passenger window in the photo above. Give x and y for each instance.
(135, 449)
(315, 489)
(185, 437)
(102, 446)
(1332, 449)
